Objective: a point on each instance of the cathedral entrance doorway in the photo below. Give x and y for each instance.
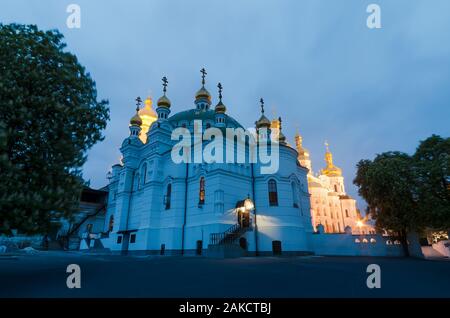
(244, 218)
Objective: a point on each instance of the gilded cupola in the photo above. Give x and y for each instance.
(330, 170)
(203, 97)
(136, 120)
(263, 121)
(164, 101)
(220, 107)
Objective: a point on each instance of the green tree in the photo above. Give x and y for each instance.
(432, 165)
(49, 118)
(388, 184)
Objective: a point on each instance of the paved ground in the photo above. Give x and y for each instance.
(44, 275)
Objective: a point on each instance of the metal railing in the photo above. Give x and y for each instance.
(228, 237)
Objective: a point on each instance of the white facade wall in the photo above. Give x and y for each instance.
(138, 207)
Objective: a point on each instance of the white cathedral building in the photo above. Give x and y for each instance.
(158, 206)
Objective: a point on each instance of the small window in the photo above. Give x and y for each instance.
(335, 188)
(133, 238)
(168, 196)
(346, 213)
(201, 196)
(119, 239)
(273, 193)
(294, 195)
(111, 223)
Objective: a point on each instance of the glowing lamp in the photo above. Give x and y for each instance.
(248, 204)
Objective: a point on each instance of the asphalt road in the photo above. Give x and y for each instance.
(44, 275)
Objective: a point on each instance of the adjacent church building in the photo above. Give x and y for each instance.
(156, 205)
(331, 206)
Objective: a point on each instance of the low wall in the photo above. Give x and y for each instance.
(347, 244)
(21, 241)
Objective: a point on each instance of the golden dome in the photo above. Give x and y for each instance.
(203, 93)
(263, 122)
(148, 111)
(220, 108)
(330, 170)
(303, 153)
(136, 120)
(163, 101)
(275, 124)
(281, 136)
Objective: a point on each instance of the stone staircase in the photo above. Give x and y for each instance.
(226, 244)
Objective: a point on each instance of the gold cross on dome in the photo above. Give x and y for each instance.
(138, 102)
(203, 71)
(220, 91)
(165, 82)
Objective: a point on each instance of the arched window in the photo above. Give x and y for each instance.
(273, 193)
(111, 223)
(144, 173)
(168, 196)
(335, 188)
(201, 195)
(294, 194)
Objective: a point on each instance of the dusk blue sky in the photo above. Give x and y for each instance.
(316, 64)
